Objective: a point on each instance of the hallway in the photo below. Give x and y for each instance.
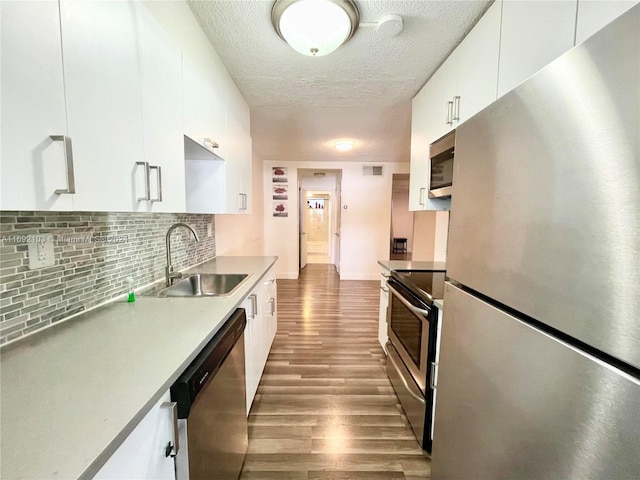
(325, 408)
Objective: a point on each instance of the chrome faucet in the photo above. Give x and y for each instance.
(170, 275)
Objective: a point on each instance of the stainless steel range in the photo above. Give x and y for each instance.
(412, 321)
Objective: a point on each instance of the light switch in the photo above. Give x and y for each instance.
(40, 251)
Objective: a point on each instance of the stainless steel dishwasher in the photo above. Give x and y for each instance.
(212, 420)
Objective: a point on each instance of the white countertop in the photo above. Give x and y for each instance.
(72, 393)
(411, 265)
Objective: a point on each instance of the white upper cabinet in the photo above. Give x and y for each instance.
(238, 161)
(534, 33)
(161, 77)
(104, 102)
(439, 99)
(205, 113)
(478, 65)
(419, 175)
(34, 166)
(595, 14)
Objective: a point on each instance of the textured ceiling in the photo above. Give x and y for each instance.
(362, 91)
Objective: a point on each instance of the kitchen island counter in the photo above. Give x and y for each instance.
(72, 393)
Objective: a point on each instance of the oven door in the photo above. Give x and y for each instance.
(412, 328)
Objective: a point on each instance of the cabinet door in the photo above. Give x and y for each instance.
(478, 65)
(440, 90)
(382, 315)
(142, 454)
(247, 177)
(533, 34)
(204, 111)
(235, 166)
(33, 108)
(104, 107)
(595, 14)
(161, 76)
(250, 339)
(419, 173)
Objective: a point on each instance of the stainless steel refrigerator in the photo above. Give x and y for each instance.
(539, 374)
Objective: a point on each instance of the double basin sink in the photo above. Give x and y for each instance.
(205, 285)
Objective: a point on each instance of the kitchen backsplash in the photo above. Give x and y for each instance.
(94, 254)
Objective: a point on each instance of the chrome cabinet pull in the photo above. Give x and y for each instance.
(404, 380)
(158, 168)
(254, 305)
(413, 308)
(172, 450)
(241, 202)
(147, 187)
(210, 143)
(68, 156)
(244, 201)
(450, 113)
(385, 290)
(432, 381)
(421, 198)
(456, 108)
(272, 306)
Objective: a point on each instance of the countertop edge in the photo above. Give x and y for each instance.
(111, 448)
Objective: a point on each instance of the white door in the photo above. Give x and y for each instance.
(338, 216)
(33, 108)
(302, 228)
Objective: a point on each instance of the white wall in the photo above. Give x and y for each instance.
(365, 222)
(402, 218)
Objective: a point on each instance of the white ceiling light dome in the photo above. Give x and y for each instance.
(315, 27)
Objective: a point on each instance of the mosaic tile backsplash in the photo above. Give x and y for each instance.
(94, 255)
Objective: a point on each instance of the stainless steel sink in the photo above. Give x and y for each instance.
(205, 285)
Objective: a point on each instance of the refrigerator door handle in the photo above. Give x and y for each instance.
(404, 380)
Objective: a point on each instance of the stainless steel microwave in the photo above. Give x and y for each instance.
(441, 175)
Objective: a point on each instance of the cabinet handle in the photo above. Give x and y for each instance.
(254, 305)
(421, 199)
(450, 113)
(272, 306)
(172, 450)
(385, 290)
(147, 187)
(244, 201)
(456, 108)
(210, 143)
(432, 382)
(158, 168)
(68, 156)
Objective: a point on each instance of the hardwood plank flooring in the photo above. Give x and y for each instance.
(325, 409)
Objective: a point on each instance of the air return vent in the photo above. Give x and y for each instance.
(375, 170)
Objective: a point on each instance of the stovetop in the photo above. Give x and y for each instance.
(427, 285)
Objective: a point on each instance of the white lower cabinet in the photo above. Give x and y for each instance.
(384, 304)
(262, 323)
(143, 453)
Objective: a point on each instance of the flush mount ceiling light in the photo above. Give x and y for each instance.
(344, 145)
(315, 27)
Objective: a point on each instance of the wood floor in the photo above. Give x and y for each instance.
(325, 408)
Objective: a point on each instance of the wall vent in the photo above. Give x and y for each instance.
(375, 170)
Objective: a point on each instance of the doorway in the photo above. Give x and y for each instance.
(401, 238)
(319, 217)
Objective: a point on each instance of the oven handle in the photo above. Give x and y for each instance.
(413, 308)
(404, 380)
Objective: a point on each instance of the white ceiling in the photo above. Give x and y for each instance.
(300, 105)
